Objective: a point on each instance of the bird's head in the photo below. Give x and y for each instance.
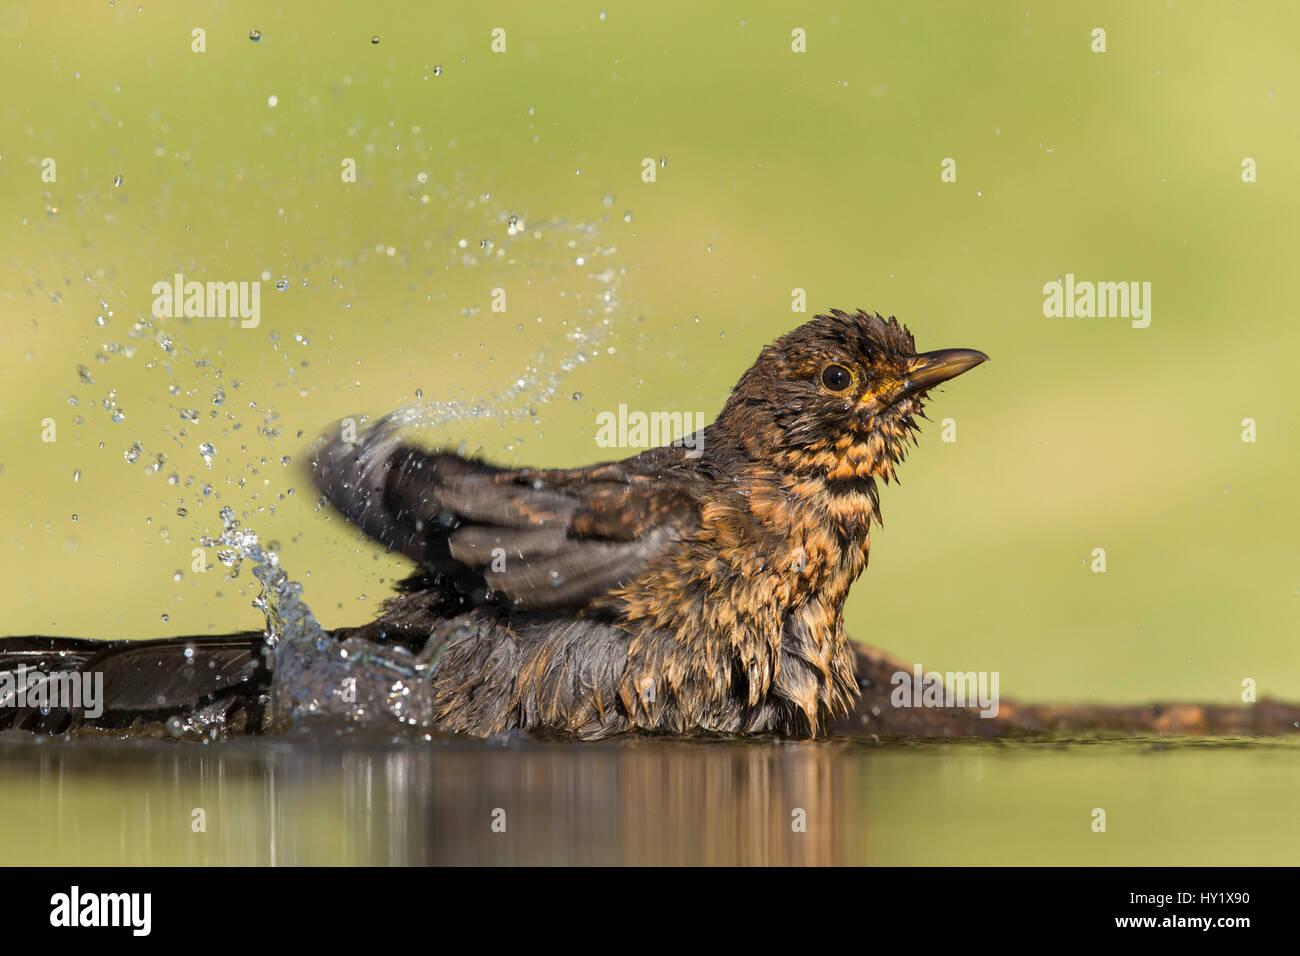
(838, 396)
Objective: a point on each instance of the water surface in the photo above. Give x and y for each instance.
(348, 798)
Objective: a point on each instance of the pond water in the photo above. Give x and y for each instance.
(365, 798)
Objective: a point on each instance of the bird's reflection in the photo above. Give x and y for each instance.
(639, 801)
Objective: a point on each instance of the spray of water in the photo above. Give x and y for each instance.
(316, 675)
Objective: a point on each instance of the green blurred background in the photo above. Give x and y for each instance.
(775, 170)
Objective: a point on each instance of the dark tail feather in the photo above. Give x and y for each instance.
(69, 684)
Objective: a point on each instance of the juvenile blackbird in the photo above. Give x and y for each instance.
(693, 588)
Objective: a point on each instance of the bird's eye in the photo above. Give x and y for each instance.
(836, 378)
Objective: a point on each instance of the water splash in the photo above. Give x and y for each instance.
(314, 675)
(357, 680)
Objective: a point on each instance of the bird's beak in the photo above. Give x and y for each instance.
(929, 369)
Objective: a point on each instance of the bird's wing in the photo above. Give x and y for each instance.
(543, 539)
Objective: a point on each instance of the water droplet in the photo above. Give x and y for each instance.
(437, 69)
(281, 285)
(255, 35)
(272, 100)
(374, 40)
(117, 180)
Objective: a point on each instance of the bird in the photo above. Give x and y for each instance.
(693, 589)
(696, 588)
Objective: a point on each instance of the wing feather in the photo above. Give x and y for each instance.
(543, 539)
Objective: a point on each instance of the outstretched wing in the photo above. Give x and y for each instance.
(543, 539)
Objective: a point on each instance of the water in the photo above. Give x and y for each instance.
(349, 796)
